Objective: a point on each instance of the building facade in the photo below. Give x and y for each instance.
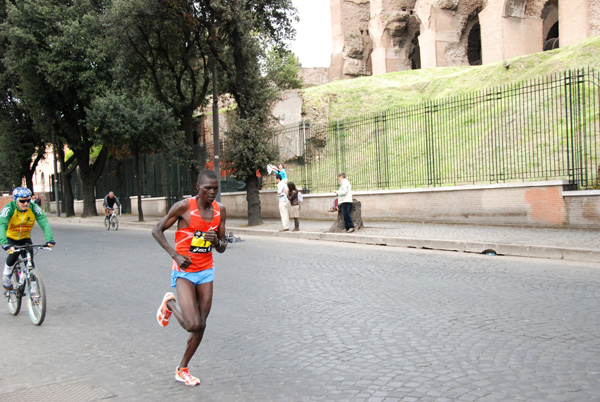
(381, 36)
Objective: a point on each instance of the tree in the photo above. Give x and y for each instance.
(240, 31)
(282, 67)
(160, 43)
(22, 142)
(58, 50)
(138, 122)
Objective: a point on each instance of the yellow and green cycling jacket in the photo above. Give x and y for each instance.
(17, 225)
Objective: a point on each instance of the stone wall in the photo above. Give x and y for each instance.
(380, 36)
(313, 76)
(536, 204)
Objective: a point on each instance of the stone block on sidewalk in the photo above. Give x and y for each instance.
(355, 214)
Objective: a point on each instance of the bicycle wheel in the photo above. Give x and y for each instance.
(107, 222)
(115, 222)
(37, 301)
(13, 297)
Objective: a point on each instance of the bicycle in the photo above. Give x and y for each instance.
(111, 220)
(27, 282)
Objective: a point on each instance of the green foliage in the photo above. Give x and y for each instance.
(162, 44)
(239, 45)
(282, 67)
(250, 147)
(59, 52)
(139, 123)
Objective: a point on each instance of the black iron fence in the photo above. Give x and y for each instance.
(547, 128)
(161, 176)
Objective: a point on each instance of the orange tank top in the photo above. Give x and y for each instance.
(190, 241)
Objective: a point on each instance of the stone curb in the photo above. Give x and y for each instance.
(502, 249)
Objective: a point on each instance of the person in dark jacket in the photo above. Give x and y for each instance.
(294, 205)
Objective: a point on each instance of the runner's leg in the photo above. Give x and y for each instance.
(194, 306)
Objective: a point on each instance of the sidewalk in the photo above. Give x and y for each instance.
(568, 244)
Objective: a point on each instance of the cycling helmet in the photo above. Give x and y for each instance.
(21, 192)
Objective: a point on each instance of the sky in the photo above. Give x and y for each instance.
(313, 33)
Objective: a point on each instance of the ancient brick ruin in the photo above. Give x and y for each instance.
(380, 36)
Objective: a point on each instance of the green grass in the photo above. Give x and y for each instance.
(350, 98)
(516, 135)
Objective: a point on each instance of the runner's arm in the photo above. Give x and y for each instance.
(221, 242)
(158, 232)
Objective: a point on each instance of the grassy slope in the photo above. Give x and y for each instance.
(365, 95)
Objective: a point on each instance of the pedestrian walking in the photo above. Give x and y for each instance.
(294, 205)
(200, 228)
(284, 203)
(344, 194)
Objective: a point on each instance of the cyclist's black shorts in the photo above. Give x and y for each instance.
(12, 258)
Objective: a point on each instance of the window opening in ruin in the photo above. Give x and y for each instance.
(415, 53)
(550, 17)
(551, 41)
(474, 45)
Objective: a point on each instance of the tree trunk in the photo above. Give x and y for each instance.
(68, 198)
(138, 184)
(253, 198)
(65, 178)
(190, 139)
(89, 176)
(89, 196)
(31, 170)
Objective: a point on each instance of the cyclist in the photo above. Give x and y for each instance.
(16, 222)
(110, 200)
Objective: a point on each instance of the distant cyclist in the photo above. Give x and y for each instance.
(16, 222)
(110, 200)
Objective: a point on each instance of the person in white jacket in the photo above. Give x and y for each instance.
(344, 194)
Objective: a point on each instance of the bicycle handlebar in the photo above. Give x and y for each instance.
(31, 246)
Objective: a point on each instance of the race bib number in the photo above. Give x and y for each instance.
(199, 245)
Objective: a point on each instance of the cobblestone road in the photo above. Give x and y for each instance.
(297, 320)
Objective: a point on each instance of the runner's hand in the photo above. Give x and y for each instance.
(50, 244)
(183, 261)
(211, 236)
(9, 248)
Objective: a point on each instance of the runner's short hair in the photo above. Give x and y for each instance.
(208, 174)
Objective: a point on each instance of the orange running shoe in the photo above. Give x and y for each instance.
(163, 314)
(183, 375)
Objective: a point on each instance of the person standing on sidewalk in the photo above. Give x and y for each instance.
(344, 194)
(200, 228)
(294, 205)
(284, 203)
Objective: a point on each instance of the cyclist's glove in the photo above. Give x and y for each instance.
(6, 247)
(50, 244)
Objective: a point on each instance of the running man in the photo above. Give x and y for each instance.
(200, 228)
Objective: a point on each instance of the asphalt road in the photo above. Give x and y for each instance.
(299, 320)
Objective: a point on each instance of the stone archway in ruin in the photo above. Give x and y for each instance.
(550, 18)
(415, 53)
(393, 27)
(474, 44)
(511, 28)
